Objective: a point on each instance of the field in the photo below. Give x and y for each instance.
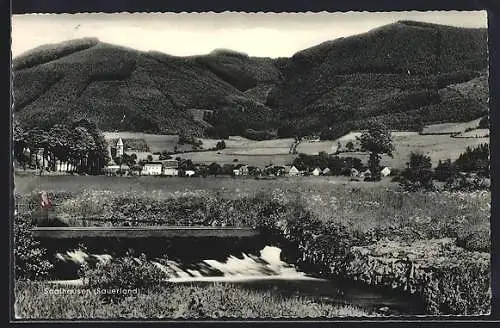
(476, 133)
(450, 127)
(438, 147)
(313, 148)
(256, 153)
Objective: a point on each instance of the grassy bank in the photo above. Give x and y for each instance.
(376, 212)
(35, 300)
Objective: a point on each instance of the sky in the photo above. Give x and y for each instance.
(184, 34)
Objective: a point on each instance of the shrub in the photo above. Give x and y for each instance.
(475, 160)
(417, 180)
(444, 171)
(127, 272)
(220, 145)
(418, 176)
(30, 260)
(477, 241)
(419, 161)
(468, 183)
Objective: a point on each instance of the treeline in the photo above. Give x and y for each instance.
(468, 172)
(80, 144)
(337, 165)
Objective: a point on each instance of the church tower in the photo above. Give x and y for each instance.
(119, 148)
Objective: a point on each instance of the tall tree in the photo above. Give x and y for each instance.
(18, 136)
(37, 139)
(214, 169)
(59, 143)
(377, 140)
(82, 143)
(98, 157)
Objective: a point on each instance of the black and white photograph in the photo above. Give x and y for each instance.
(242, 166)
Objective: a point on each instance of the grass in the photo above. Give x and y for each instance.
(35, 301)
(226, 186)
(359, 206)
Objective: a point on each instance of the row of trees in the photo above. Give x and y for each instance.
(337, 165)
(419, 173)
(80, 144)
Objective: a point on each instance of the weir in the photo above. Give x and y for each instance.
(141, 232)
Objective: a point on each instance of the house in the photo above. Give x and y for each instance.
(293, 171)
(170, 167)
(64, 166)
(152, 168)
(326, 171)
(114, 169)
(111, 169)
(317, 171)
(242, 169)
(385, 171)
(189, 173)
(354, 172)
(367, 174)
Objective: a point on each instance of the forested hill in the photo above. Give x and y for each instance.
(406, 74)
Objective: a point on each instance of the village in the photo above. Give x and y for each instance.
(156, 165)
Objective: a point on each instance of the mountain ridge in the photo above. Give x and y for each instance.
(332, 86)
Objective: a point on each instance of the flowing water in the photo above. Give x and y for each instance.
(266, 271)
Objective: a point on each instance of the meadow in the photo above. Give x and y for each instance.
(437, 147)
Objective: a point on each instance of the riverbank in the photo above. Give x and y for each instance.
(364, 234)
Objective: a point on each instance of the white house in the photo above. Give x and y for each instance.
(236, 172)
(170, 167)
(64, 166)
(326, 171)
(293, 171)
(317, 171)
(385, 171)
(189, 173)
(153, 168)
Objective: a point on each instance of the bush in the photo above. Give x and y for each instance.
(419, 161)
(475, 160)
(419, 179)
(30, 260)
(127, 272)
(478, 241)
(444, 171)
(220, 145)
(468, 183)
